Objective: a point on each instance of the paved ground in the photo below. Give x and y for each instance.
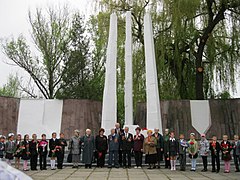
(127, 174)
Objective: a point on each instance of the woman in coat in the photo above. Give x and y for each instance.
(203, 151)
(88, 143)
(159, 147)
(138, 147)
(149, 148)
(101, 147)
(75, 148)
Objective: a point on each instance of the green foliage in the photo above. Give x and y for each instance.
(10, 89)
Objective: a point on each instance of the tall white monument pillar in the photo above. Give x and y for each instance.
(153, 102)
(128, 98)
(109, 109)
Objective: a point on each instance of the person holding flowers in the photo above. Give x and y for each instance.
(52, 150)
(43, 151)
(193, 151)
(226, 148)
(215, 149)
(25, 152)
(203, 151)
(183, 145)
(60, 150)
(10, 148)
(18, 151)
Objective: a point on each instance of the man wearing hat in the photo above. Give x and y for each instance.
(204, 150)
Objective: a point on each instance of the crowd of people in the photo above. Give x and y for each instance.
(121, 145)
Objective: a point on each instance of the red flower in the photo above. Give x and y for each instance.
(191, 143)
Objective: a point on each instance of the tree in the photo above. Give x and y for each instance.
(196, 42)
(11, 88)
(51, 37)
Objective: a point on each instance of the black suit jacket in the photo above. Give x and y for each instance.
(126, 142)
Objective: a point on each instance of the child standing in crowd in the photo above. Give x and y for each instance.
(165, 146)
(2, 146)
(226, 155)
(18, 151)
(62, 143)
(33, 145)
(159, 147)
(182, 152)
(149, 148)
(42, 151)
(138, 147)
(193, 151)
(203, 151)
(236, 152)
(215, 150)
(173, 150)
(10, 148)
(52, 150)
(25, 152)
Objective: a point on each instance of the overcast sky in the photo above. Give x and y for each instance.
(14, 22)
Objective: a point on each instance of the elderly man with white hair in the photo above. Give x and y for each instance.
(88, 142)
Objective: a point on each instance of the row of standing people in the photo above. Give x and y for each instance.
(121, 144)
(30, 150)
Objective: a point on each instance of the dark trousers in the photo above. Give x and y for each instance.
(43, 161)
(204, 159)
(33, 162)
(60, 157)
(127, 154)
(113, 154)
(138, 158)
(101, 159)
(167, 161)
(215, 159)
(182, 161)
(236, 162)
(120, 157)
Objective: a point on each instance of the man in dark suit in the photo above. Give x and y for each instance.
(126, 147)
(119, 131)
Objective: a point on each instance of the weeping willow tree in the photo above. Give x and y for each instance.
(196, 43)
